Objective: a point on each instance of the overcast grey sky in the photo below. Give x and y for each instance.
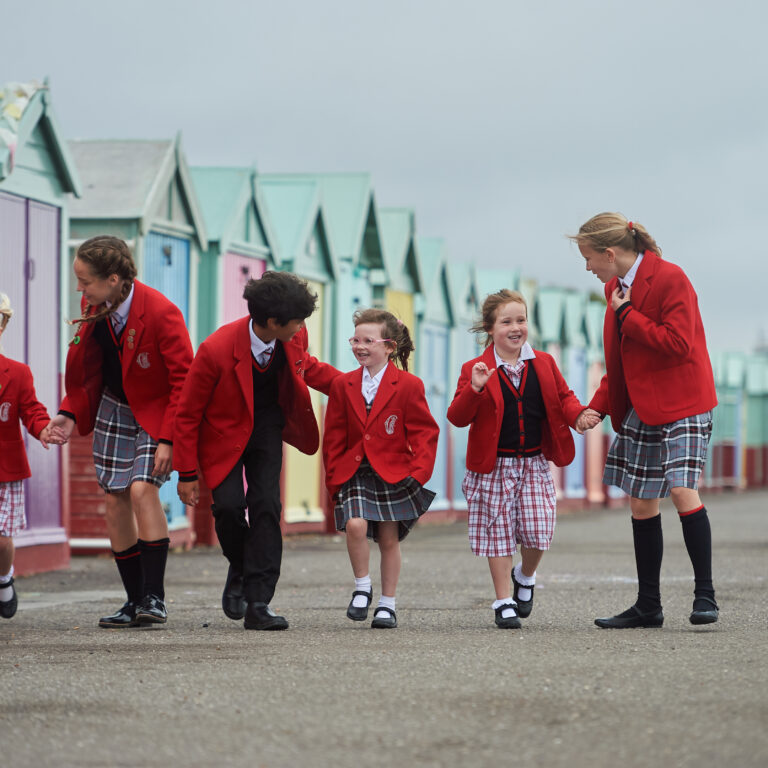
(504, 125)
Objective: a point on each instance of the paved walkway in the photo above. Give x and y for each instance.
(444, 689)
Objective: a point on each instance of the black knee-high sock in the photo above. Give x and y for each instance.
(154, 555)
(698, 541)
(649, 548)
(129, 567)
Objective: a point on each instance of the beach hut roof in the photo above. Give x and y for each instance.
(398, 244)
(437, 298)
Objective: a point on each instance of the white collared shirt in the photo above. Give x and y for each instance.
(120, 316)
(629, 278)
(259, 347)
(516, 370)
(371, 383)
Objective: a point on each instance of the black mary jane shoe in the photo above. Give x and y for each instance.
(261, 616)
(232, 600)
(122, 618)
(511, 622)
(151, 610)
(632, 619)
(705, 611)
(355, 613)
(524, 607)
(8, 607)
(384, 622)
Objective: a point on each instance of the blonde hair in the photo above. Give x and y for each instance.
(614, 230)
(489, 309)
(394, 329)
(6, 310)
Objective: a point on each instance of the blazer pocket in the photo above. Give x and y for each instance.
(389, 425)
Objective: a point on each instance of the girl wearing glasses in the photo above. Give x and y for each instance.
(379, 449)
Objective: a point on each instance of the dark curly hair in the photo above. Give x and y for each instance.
(281, 295)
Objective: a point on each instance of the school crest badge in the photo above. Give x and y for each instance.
(389, 424)
(5, 410)
(143, 360)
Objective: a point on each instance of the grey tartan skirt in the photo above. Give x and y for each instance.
(366, 495)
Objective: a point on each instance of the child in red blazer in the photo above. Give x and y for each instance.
(245, 394)
(17, 402)
(379, 449)
(124, 371)
(518, 420)
(659, 391)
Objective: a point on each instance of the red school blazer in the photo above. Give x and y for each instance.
(17, 401)
(484, 411)
(399, 435)
(154, 365)
(214, 419)
(660, 365)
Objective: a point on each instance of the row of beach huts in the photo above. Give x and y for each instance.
(198, 234)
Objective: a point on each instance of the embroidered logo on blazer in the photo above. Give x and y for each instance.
(389, 424)
(143, 360)
(5, 409)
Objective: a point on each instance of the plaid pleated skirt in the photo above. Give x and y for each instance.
(366, 495)
(122, 451)
(12, 517)
(646, 461)
(513, 504)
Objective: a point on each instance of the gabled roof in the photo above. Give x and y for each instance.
(492, 280)
(22, 107)
(349, 213)
(433, 270)
(398, 247)
(127, 179)
(224, 195)
(463, 289)
(550, 313)
(292, 205)
(575, 320)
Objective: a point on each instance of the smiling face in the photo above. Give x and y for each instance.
(370, 347)
(510, 330)
(96, 290)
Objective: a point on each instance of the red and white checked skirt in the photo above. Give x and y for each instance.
(12, 518)
(512, 505)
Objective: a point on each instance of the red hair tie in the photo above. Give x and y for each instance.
(630, 225)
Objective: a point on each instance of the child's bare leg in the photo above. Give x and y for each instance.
(357, 546)
(7, 550)
(531, 559)
(389, 546)
(152, 523)
(501, 573)
(121, 523)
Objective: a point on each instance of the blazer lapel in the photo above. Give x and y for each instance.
(134, 327)
(355, 394)
(4, 375)
(641, 285)
(243, 364)
(386, 391)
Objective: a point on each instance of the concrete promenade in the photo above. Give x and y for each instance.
(444, 689)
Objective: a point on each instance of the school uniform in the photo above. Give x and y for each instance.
(379, 448)
(234, 413)
(658, 388)
(517, 423)
(18, 403)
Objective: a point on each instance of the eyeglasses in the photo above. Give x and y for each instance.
(367, 342)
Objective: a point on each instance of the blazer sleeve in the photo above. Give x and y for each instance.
(571, 405)
(675, 334)
(335, 427)
(33, 412)
(317, 374)
(600, 401)
(176, 349)
(466, 402)
(421, 432)
(193, 401)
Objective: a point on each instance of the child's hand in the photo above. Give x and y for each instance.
(189, 492)
(618, 297)
(480, 376)
(50, 436)
(163, 459)
(587, 419)
(60, 429)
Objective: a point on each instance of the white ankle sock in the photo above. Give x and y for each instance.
(6, 593)
(385, 602)
(363, 585)
(507, 612)
(524, 581)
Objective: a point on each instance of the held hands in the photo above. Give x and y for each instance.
(618, 297)
(163, 459)
(48, 437)
(587, 419)
(57, 431)
(480, 376)
(189, 492)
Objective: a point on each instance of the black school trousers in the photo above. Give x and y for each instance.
(254, 546)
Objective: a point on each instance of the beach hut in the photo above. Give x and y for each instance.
(240, 243)
(598, 439)
(756, 422)
(37, 178)
(728, 421)
(434, 357)
(293, 209)
(142, 192)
